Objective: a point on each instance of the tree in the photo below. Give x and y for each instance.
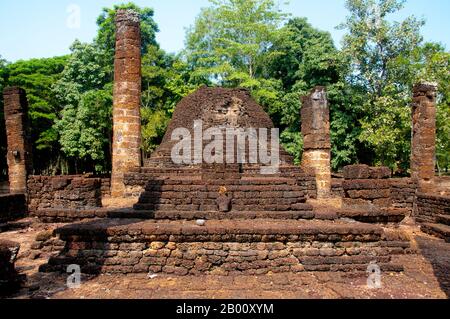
(106, 39)
(85, 95)
(372, 45)
(86, 89)
(85, 131)
(307, 58)
(165, 81)
(230, 41)
(430, 62)
(37, 76)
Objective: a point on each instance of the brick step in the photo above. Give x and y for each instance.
(443, 219)
(159, 187)
(225, 246)
(176, 215)
(147, 211)
(438, 230)
(362, 214)
(250, 206)
(390, 215)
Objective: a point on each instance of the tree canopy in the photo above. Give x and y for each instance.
(250, 44)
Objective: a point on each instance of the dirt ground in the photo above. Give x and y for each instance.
(426, 275)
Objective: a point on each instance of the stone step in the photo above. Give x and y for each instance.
(295, 215)
(443, 219)
(242, 206)
(438, 230)
(390, 215)
(147, 211)
(209, 215)
(225, 246)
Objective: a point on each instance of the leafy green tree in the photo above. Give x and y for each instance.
(431, 62)
(308, 58)
(165, 81)
(372, 45)
(37, 76)
(86, 89)
(230, 41)
(85, 131)
(106, 39)
(85, 95)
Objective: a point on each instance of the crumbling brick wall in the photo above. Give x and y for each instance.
(403, 192)
(226, 247)
(429, 207)
(364, 185)
(76, 192)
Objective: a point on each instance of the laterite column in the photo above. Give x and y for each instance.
(423, 145)
(19, 155)
(126, 153)
(316, 159)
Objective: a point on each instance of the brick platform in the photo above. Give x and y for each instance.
(223, 247)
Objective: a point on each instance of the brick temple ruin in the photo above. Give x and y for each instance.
(254, 223)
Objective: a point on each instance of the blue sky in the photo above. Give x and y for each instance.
(33, 29)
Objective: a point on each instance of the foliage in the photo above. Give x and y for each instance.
(165, 80)
(37, 76)
(85, 95)
(231, 41)
(372, 45)
(308, 58)
(106, 40)
(85, 130)
(251, 44)
(431, 62)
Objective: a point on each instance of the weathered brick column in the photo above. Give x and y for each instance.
(316, 157)
(19, 156)
(126, 152)
(423, 145)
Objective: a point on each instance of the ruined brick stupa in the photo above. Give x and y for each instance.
(196, 184)
(222, 109)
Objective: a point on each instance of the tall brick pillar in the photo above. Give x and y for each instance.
(423, 145)
(17, 133)
(316, 157)
(126, 152)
